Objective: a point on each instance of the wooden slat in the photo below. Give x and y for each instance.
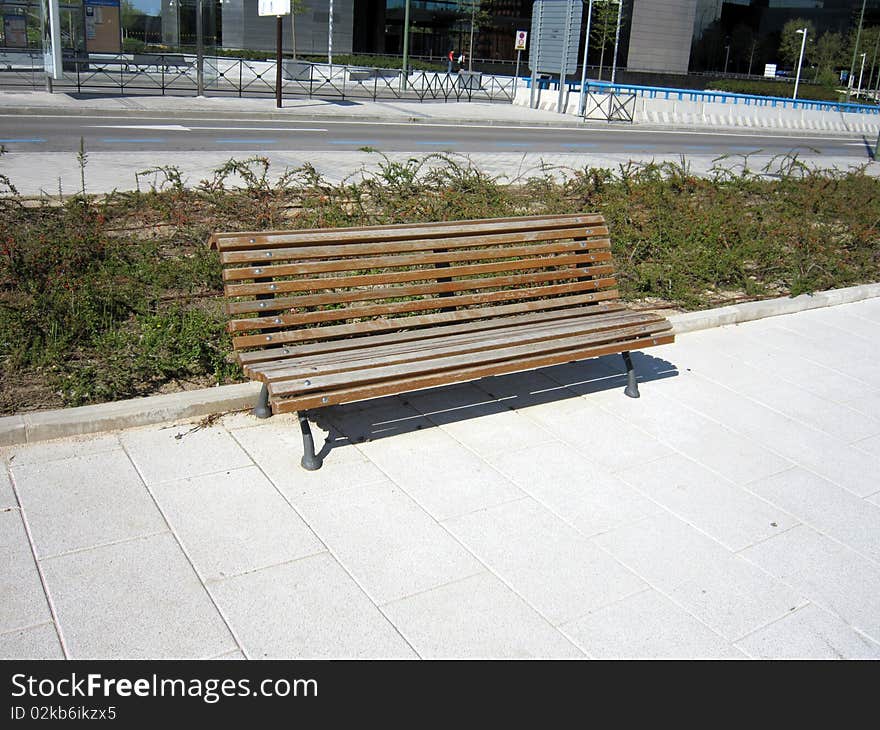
(399, 277)
(368, 248)
(401, 260)
(322, 382)
(338, 236)
(230, 235)
(375, 390)
(378, 294)
(553, 336)
(391, 345)
(415, 306)
(381, 331)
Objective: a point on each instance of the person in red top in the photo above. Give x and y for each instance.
(451, 58)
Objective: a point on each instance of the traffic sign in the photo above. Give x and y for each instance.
(770, 70)
(521, 38)
(273, 7)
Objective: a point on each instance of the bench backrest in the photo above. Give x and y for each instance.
(292, 287)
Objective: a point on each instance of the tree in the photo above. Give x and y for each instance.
(827, 54)
(472, 15)
(790, 41)
(603, 27)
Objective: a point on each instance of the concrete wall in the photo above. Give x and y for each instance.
(243, 28)
(661, 34)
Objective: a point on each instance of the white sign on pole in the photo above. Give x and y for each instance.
(521, 38)
(273, 7)
(770, 70)
(51, 18)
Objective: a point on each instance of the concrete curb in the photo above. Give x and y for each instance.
(47, 425)
(737, 313)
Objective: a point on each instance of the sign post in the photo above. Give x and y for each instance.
(278, 8)
(519, 45)
(51, 19)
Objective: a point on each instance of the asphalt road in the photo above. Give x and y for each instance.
(170, 133)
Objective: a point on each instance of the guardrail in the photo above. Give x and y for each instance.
(725, 97)
(176, 74)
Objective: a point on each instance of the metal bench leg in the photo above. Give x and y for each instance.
(632, 387)
(262, 409)
(309, 461)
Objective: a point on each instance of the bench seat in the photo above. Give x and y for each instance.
(329, 316)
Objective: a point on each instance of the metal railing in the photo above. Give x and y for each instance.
(176, 74)
(724, 97)
(610, 106)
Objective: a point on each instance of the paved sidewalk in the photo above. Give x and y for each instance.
(732, 511)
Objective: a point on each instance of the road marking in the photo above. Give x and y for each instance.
(181, 128)
(22, 139)
(134, 140)
(436, 142)
(579, 144)
(261, 129)
(246, 141)
(362, 142)
(154, 127)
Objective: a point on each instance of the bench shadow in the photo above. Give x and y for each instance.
(380, 418)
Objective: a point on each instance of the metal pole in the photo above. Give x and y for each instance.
(279, 19)
(292, 33)
(852, 66)
(471, 45)
(873, 61)
(726, 58)
(583, 95)
(200, 51)
(800, 61)
(516, 73)
(535, 53)
(330, 38)
(405, 43)
(861, 71)
(616, 40)
(566, 37)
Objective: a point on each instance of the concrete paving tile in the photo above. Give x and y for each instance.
(23, 603)
(831, 457)
(475, 618)
(520, 390)
(603, 437)
(869, 446)
(234, 522)
(160, 456)
(389, 544)
(722, 510)
(728, 594)
(647, 626)
(553, 567)
(866, 402)
(7, 496)
(825, 572)
(277, 448)
(85, 501)
(809, 633)
(738, 458)
(134, 600)
(306, 609)
(34, 642)
(496, 433)
(463, 484)
(588, 497)
(826, 507)
(375, 419)
(42, 452)
(800, 404)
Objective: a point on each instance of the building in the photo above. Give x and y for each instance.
(657, 36)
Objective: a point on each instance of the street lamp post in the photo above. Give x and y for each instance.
(405, 43)
(726, 57)
(797, 80)
(852, 67)
(861, 71)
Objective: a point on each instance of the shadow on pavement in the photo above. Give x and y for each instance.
(393, 415)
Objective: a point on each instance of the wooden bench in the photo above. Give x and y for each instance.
(330, 316)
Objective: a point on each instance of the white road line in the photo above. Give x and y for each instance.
(181, 128)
